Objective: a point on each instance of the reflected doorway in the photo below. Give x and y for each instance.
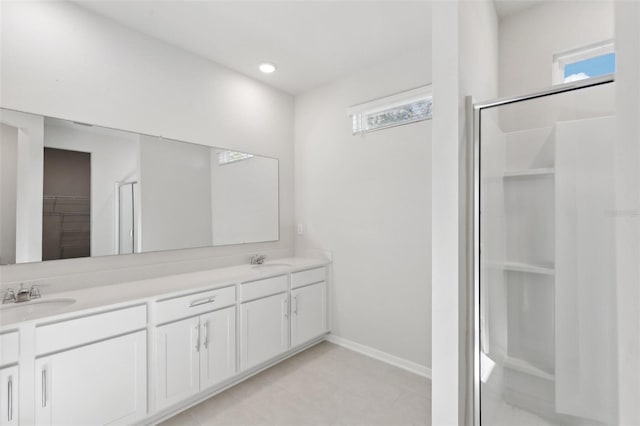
(66, 206)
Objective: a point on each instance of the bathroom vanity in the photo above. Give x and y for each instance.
(139, 352)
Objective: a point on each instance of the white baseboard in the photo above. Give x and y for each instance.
(411, 366)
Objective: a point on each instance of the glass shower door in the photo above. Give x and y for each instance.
(548, 260)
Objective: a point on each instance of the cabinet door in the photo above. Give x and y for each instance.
(263, 329)
(308, 313)
(9, 396)
(218, 352)
(178, 362)
(98, 384)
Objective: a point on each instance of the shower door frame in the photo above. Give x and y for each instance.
(118, 220)
(473, 220)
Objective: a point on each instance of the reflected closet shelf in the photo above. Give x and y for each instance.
(528, 172)
(524, 267)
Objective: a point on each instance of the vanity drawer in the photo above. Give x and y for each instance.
(78, 331)
(9, 348)
(310, 276)
(256, 289)
(195, 304)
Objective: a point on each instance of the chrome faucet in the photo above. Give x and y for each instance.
(258, 259)
(34, 292)
(23, 294)
(9, 296)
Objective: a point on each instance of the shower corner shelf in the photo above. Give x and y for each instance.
(528, 172)
(524, 267)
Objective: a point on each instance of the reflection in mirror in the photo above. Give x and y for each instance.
(126, 217)
(244, 197)
(66, 204)
(72, 190)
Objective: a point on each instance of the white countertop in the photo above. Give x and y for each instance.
(130, 293)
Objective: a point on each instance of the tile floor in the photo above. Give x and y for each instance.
(324, 385)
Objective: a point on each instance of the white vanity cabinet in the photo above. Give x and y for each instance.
(94, 366)
(218, 351)
(198, 352)
(308, 312)
(97, 384)
(264, 329)
(9, 407)
(92, 370)
(178, 361)
(9, 380)
(308, 305)
(194, 354)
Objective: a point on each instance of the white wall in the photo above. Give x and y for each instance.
(244, 200)
(526, 61)
(60, 60)
(114, 158)
(29, 184)
(627, 157)
(529, 39)
(367, 200)
(445, 168)
(465, 46)
(175, 184)
(8, 196)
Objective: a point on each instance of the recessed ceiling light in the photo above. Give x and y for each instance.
(267, 67)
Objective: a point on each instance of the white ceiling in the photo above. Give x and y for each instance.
(311, 42)
(510, 7)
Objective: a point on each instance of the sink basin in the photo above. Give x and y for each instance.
(271, 265)
(13, 312)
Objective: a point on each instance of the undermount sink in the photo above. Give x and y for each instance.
(271, 265)
(11, 312)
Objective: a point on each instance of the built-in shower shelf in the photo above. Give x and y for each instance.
(528, 172)
(524, 267)
(523, 366)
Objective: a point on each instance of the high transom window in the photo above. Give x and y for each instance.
(586, 62)
(227, 157)
(395, 110)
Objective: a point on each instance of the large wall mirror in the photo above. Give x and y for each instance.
(71, 190)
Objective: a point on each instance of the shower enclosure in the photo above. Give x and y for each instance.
(126, 232)
(544, 257)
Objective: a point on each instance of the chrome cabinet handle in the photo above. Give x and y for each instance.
(206, 335)
(44, 387)
(202, 301)
(295, 299)
(197, 338)
(286, 308)
(10, 399)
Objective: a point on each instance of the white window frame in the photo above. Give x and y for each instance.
(560, 60)
(360, 111)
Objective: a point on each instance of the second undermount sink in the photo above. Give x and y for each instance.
(271, 265)
(11, 312)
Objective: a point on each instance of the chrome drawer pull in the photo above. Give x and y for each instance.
(206, 335)
(202, 301)
(44, 387)
(295, 299)
(10, 399)
(197, 328)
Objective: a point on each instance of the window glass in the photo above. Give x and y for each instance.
(590, 67)
(226, 157)
(402, 114)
